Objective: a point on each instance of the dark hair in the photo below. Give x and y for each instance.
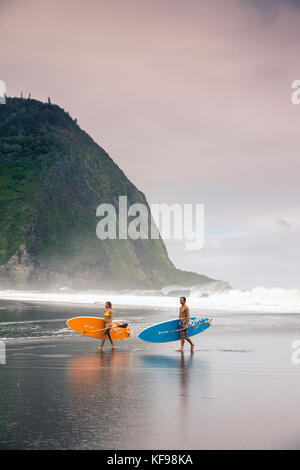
(183, 298)
(109, 304)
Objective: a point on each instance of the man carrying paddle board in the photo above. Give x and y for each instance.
(184, 318)
(108, 318)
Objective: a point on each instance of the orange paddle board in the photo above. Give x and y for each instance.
(93, 327)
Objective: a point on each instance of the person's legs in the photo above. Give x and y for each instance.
(182, 324)
(190, 341)
(183, 334)
(106, 332)
(110, 338)
(102, 342)
(182, 344)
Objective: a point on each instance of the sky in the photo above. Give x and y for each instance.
(192, 99)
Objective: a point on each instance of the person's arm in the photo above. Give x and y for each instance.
(187, 315)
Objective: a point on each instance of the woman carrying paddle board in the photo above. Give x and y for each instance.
(108, 318)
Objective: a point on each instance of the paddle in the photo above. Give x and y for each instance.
(101, 329)
(193, 326)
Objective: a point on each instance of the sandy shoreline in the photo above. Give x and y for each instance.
(239, 389)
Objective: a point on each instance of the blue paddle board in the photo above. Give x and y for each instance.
(166, 331)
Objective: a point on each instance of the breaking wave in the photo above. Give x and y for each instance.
(212, 296)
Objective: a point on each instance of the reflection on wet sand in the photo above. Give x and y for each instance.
(190, 379)
(58, 392)
(124, 397)
(184, 387)
(185, 365)
(88, 366)
(159, 361)
(95, 403)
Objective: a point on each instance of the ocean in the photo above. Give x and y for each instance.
(239, 389)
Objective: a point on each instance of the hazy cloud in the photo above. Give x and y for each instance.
(192, 100)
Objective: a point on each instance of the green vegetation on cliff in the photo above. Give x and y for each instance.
(53, 176)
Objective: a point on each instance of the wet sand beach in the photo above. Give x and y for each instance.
(238, 390)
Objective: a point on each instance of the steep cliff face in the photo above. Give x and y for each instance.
(53, 176)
